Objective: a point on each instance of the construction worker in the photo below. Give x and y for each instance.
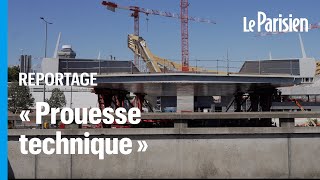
(61, 125)
(46, 125)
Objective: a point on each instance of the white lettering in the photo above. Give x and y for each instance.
(59, 145)
(58, 79)
(277, 24)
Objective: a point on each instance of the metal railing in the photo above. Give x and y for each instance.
(217, 66)
(183, 119)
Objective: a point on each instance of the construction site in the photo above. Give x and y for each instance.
(155, 84)
(202, 118)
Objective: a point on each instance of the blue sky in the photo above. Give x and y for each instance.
(90, 28)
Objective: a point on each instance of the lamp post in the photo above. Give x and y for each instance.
(45, 54)
(46, 23)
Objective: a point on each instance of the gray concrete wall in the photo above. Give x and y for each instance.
(186, 155)
(185, 103)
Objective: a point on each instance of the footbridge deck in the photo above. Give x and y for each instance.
(198, 84)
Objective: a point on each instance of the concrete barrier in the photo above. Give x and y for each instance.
(217, 153)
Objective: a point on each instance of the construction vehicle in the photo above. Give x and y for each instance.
(310, 121)
(154, 63)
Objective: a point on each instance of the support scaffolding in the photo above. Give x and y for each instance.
(111, 98)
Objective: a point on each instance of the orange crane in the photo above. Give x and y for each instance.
(183, 16)
(302, 109)
(157, 64)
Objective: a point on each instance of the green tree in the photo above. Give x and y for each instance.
(57, 99)
(13, 73)
(19, 98)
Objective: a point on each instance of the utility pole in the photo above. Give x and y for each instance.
(46, 35)
(184, 35)
(45, 53)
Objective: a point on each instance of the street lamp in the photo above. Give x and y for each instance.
(46, 23)
(45, 55)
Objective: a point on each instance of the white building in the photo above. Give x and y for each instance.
(79, 97)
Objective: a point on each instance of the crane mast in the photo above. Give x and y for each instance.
(184, 35)
(183, 16)
(135, 16)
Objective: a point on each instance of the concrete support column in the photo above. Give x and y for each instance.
(266, 97)
(238, 102)
(286, 122)
(265, 103)
(185, 98)
(185, 103)
(254, 99)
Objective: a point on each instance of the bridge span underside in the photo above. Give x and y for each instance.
(250, 93)
(193, 84)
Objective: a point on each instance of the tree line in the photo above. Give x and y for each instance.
(20, 98)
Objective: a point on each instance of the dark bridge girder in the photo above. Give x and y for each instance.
(201, 84)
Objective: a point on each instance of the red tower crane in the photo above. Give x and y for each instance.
(184, 24)
(184, 34)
